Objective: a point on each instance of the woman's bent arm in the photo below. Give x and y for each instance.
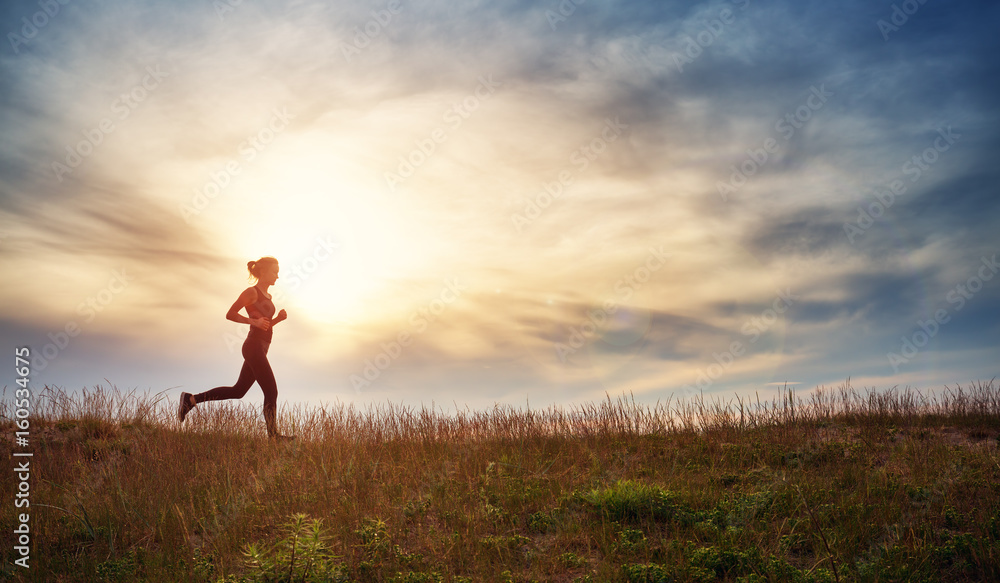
(246, 298)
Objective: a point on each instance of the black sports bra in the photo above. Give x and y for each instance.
(262, 308)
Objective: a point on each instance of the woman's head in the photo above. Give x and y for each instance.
(264, 269)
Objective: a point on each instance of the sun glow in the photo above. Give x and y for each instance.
(337, 238)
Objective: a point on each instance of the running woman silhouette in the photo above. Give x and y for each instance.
(260, 310)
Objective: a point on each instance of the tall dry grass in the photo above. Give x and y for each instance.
(121, 492)
(620, 416)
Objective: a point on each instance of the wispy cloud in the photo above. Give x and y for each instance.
(522, 192)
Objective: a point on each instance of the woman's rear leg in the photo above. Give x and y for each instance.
(237, 391)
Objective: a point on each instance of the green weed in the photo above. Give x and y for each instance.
(302, 555)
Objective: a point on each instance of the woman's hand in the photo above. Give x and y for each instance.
(261, 323)
(282, 315)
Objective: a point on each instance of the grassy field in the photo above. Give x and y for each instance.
(842, 485)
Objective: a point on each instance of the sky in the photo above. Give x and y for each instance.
(516, 203)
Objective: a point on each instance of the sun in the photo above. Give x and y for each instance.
(338, 239)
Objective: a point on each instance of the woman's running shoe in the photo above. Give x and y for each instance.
(187, 403)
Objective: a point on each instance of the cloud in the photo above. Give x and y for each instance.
(367, 88)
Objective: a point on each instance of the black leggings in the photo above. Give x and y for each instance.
(255, 368)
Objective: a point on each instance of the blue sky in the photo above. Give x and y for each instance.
(519, 202)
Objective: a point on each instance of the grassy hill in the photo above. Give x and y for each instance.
(841, 486)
